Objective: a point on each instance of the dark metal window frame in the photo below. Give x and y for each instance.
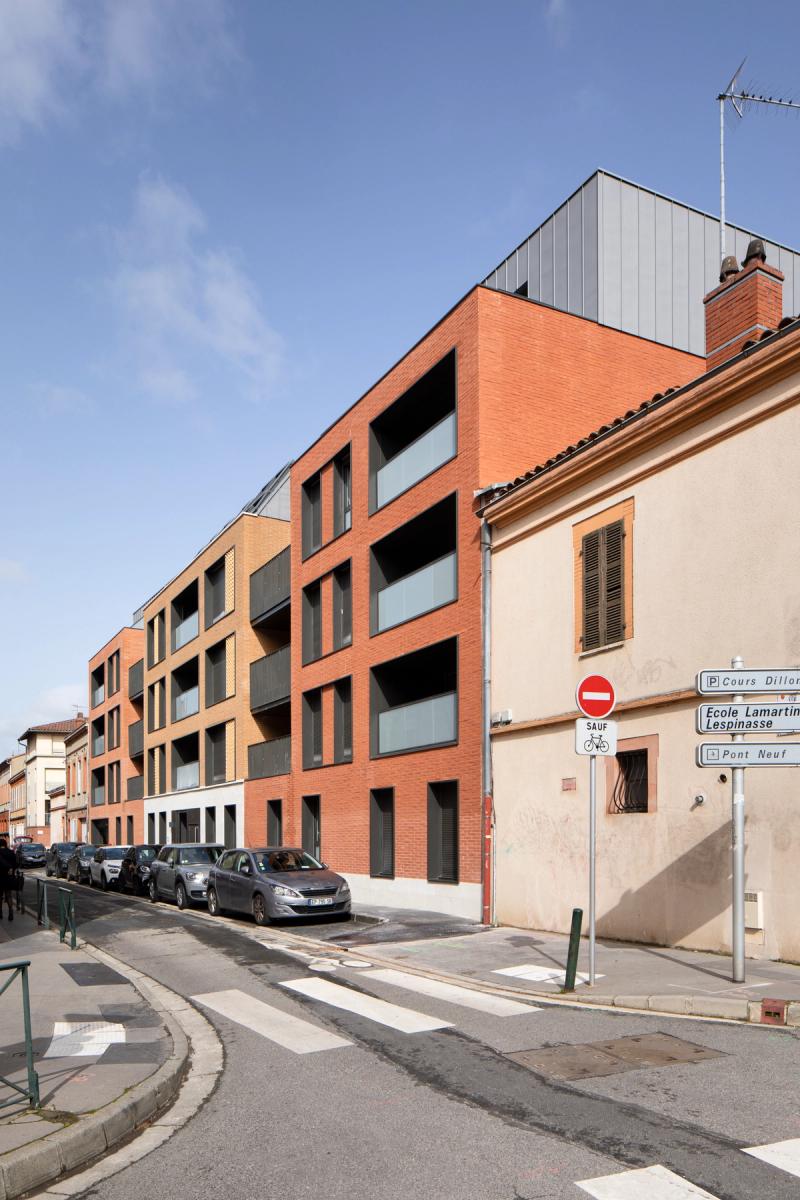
(312, 622)
(209, 591)
(215, 738)
(275, 822)
(343, 720)
(311, 515)
(342, 605)
(438, 851)
(212, 671)
(313, 750)
(311, 824)
(381, 833)
(342, 492)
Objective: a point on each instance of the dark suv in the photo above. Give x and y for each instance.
(180, 872)
(57, 855)
(134, 871)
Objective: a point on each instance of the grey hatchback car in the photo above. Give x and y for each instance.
(275, 882)
(180, 872)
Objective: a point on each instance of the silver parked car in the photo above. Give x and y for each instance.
(180, 872)
(274, 882)
(105, 866)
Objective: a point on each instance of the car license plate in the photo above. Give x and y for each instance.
(322, 900)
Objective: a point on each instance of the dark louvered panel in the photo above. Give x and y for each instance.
(591, 554)
(443, 831)
(382, 833)
(614, 593)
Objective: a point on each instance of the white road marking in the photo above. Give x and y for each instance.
(656, 1183)
(83, 1039)
(301, 1037)
(498, 1006)
(406, 1020)
(543, 974)
(784, 1155)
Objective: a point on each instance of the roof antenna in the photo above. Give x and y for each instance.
(739, 99)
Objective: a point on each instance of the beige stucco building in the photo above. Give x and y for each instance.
(76, 745)
(663, 544)
(45, 756)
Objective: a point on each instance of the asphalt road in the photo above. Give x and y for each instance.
(329, 1092)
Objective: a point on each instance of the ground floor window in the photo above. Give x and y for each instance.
(274, 822)
(443, 832)
(631, 776)
(381, 833)
(311, 825)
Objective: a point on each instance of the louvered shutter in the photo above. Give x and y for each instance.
(591, 552)
(613, 594)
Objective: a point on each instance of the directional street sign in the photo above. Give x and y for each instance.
(595, 737)
(748, 754)
(763, 716)
(595, 696)
(735, 680)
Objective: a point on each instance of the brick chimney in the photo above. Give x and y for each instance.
(747, 302)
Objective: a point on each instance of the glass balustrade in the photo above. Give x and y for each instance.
(428, 588)
(186, 703)
(423, 723)
(187, 776)
(185, 631)
(417, 460)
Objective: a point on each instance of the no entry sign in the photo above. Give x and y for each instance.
(595, 696)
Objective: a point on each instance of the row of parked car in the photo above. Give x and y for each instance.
(269, 883)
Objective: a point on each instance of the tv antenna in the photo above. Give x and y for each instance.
(739, 98)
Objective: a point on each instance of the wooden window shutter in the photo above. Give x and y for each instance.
(591, 552)
(613, 537)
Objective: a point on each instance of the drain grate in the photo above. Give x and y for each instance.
(595, 1059)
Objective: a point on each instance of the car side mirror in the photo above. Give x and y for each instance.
(245, 870)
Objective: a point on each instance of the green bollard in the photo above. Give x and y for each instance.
(574, 949)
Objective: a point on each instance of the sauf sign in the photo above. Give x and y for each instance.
(596, 737)
(738, 718)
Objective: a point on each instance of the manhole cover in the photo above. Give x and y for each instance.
(595, 1059)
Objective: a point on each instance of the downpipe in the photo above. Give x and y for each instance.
(488, 824)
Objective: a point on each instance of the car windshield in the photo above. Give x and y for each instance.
(198, 854)
(66, 846)
(36, 847)
(87, 851)
(116, 851)
(146, 853)
(286, 860)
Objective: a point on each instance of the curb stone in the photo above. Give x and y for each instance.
(60, 1153)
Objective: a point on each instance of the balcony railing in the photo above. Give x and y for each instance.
(136, 739)
(185, 631)
(270, 586)
(423, 723)
(98, 795)
(270, 679)
(136, 680)
(98, 695)
(418, 459)
(428, 588)
(266, 759)
(98, 746)
(187, 776)
(135, 787)
(186, 704)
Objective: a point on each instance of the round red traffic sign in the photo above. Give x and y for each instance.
(595, 696)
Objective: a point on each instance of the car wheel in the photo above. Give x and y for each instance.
(48, 872)
(181, 899)
(103, 881)
(213, 902)
(151, 891)
(260, 915)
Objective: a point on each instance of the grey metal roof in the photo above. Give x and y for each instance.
(624, 256)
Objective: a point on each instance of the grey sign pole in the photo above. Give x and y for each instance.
(592, 857)
(737, 852)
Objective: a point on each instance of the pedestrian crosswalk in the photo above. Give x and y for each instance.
(535, 973)
(395, 1016)
(83, 1039)
(659, 1183)
(497, 1006)
(285, 1030)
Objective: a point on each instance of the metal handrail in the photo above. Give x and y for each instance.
(20, 968)
(42, 915)
(66, 917)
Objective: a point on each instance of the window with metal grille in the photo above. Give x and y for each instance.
(631, 787)
(603, 592)
(443, 832)
(381, 833)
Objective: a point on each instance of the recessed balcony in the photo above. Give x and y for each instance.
(267, 759)
(185, 617)
(185, 691)
(414, 700)
(270, 680)
(270, 592)
(414, 569)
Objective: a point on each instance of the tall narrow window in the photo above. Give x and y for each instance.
(156, 638)
(113, 673)
(215, 593)
(118, 831)
(312, 841)
(216, 766)
(381, 833)
(342, 514)
(216, 674)
(311, 516)
(129, 830)
(443, 832)
(274, 822)
(312, 729)
(312, 622)
(343, 721)
(342, 607)
(603, 591)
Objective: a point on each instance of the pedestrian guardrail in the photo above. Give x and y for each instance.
(31, 1092)
(66, 911)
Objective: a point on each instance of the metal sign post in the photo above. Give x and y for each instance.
(595, 697)
(737, 851)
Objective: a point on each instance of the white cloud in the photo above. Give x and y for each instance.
(53, 53)
(180, 298)
(557, 19)
(13, 571)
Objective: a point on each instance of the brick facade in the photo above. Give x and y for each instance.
(103, 818)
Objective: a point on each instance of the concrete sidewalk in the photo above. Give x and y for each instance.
(628, 976)
(95, 1041)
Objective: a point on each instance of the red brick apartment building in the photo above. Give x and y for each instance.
(116, 745)
(381, 776)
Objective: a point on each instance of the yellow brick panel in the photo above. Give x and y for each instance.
(230, 665)
(230, 596)
(230, 750)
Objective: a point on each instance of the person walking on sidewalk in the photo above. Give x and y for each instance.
(8, 868)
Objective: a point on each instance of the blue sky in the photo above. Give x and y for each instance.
(221, 220)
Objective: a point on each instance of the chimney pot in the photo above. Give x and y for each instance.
(755, 249)
(743, 306)
(729, 267)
